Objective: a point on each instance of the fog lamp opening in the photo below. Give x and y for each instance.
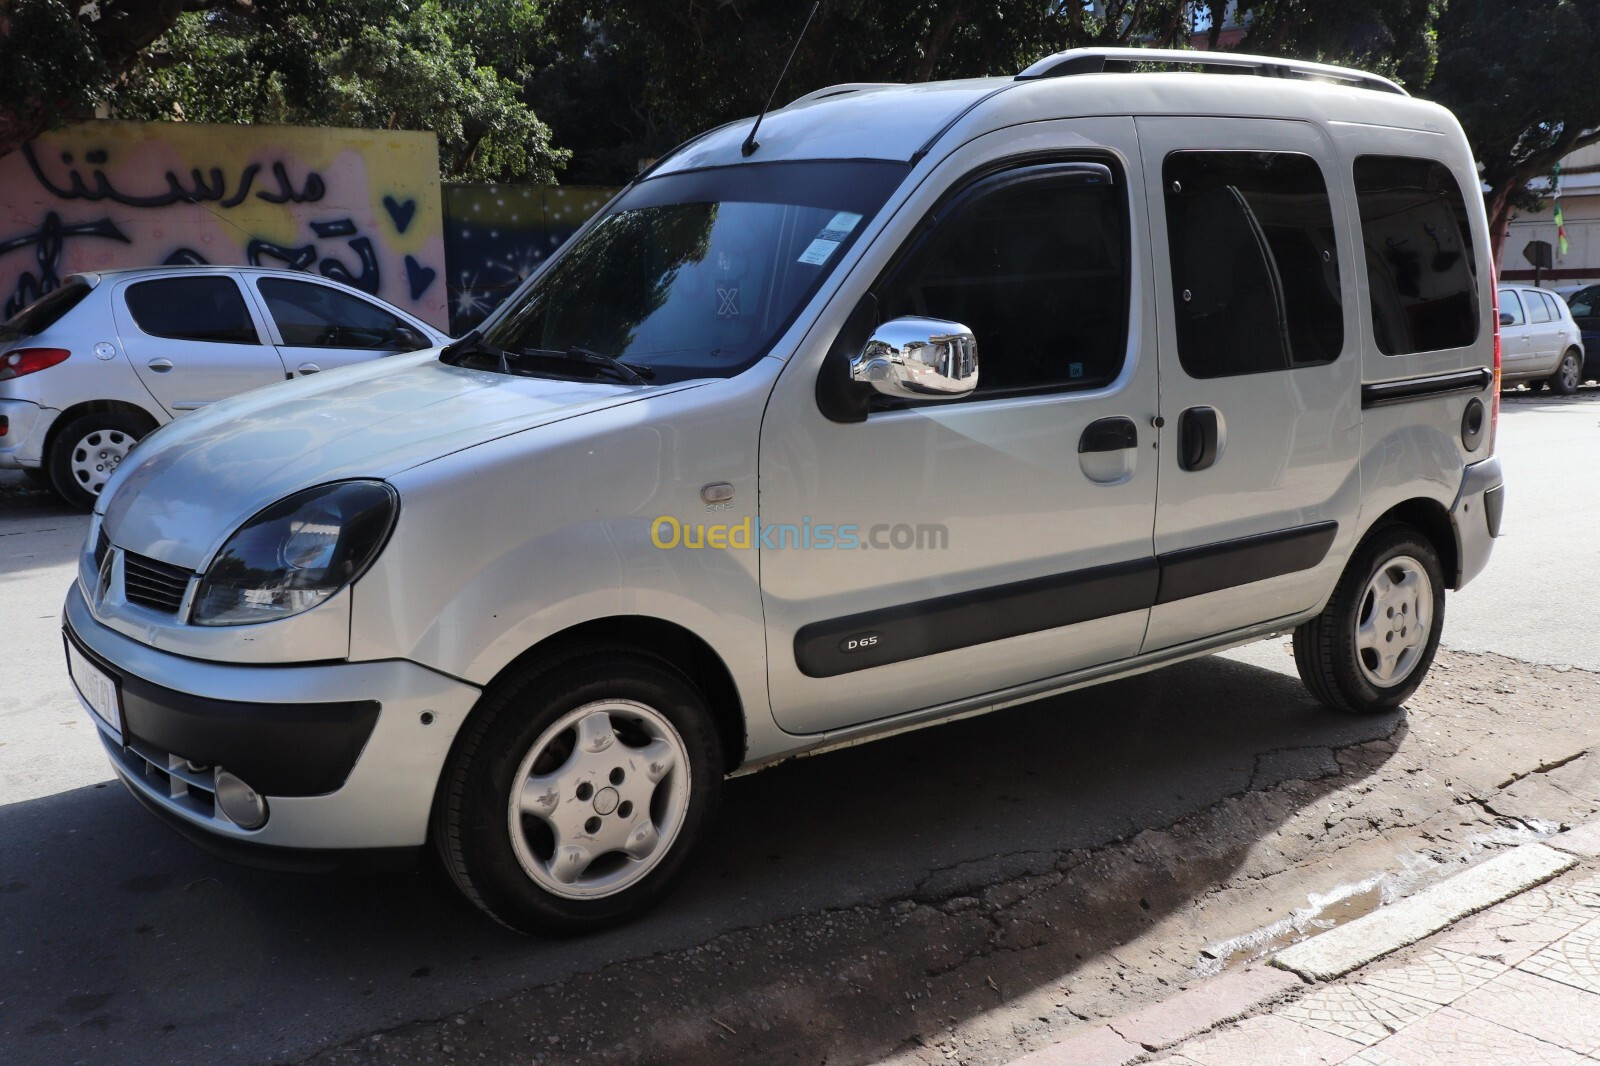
(244, 806)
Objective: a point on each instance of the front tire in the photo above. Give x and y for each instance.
(579, 791)
(1369, 649)
(88, 449)
(1569, 375)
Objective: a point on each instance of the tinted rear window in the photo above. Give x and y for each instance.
(192, 309)
(1421, 269)
(45, 312)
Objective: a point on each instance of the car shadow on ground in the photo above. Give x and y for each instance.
(120, 938)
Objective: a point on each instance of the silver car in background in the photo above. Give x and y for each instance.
(1540, 343)
(91, 367)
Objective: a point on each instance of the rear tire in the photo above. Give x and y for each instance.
(88, 449)
(579, 790)
(1369, 649)
(1569, 375)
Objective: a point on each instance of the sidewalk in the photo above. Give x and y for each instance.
(1417, 982)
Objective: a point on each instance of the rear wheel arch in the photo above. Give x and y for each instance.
(71, 414)
(1432, 520)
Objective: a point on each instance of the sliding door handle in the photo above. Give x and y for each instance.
(1199, 438)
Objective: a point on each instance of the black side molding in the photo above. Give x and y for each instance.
(910, 631)
(1407, 390)
(1229, 563)
(913, 630)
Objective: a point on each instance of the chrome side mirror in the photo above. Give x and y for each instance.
(919, 359)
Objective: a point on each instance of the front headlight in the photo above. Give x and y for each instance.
(296, 553)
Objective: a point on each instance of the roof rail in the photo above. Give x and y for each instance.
(1123, 60)
(841, 90)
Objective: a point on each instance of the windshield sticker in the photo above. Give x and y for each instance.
(842, 224)
(832, 235)
(817, 251)
(728, 299)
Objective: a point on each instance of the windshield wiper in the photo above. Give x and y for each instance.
(627, 373)
(474, 344)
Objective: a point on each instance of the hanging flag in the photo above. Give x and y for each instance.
(1555, 194)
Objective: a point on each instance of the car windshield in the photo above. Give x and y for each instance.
(695, 274)
(1585, 301)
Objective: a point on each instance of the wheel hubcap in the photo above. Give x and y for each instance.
(1569, 372)
(1394, 622)
(599, 799)
(97, 455)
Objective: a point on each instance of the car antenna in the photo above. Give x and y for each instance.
(750, 143)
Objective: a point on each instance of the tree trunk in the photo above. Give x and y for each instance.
(1498, 207)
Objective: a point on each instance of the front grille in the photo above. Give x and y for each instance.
(156, 585)
(102, 547)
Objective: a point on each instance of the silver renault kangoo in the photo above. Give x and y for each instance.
(918, 401)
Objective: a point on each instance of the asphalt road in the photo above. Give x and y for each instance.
(122, 942)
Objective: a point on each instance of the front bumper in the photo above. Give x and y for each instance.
(347, 755)
(27, 425)
(1476, 517)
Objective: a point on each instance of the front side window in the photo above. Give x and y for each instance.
(1421, 270)
(309, 315)
(1511, 304)
(209, 308)
(1035, 263)
(1255, 266)
(695, 274)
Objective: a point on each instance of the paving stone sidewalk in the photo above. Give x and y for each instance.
(1517, 983)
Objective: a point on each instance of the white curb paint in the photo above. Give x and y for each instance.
(1372, 936)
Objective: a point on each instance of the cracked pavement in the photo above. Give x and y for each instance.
(961, 894)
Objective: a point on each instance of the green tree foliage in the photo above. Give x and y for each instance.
(59, 60)
(1393, 37)
(1522, 77)
(455, 67)
(624, 80)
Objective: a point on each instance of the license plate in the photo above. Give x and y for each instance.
(97, 690)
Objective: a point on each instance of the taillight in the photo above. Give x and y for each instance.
(22, 361)
(1494, 402)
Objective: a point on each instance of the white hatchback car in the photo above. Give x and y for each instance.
(91, 367)
(924, 401)
(1540, 343)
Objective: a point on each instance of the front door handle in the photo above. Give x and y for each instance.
(1108, 435)
(160, 366)
(1198, 438)
(308, 368)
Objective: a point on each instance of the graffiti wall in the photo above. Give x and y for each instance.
(496, 235)
(358, 206)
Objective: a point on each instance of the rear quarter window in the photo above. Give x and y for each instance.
(1422, 273)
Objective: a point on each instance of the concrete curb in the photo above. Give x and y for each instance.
(1170, 1022)
(1135, 1037)
(1388, 929)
